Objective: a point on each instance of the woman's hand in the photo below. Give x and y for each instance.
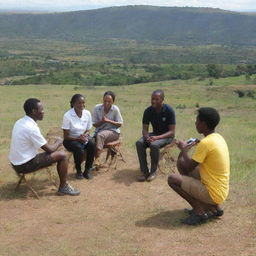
(83, 138)
(105, 119)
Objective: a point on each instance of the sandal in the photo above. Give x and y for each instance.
(188, 211)
(216, 214)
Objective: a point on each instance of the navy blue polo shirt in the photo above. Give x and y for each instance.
(160, 121)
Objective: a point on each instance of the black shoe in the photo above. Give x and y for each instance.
(88, 174)
(195, 219)
(142, 178)
(151, 177)
(217, 214)
(79, 176)
(189, 211)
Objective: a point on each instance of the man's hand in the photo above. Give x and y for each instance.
(59, 141)
(183, 146)
(152, 139)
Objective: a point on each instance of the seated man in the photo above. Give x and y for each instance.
(162, 118)
(204, 179)
(27, 139)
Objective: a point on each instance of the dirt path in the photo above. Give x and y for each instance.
(115, 215)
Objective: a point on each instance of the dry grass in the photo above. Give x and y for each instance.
(115, 215)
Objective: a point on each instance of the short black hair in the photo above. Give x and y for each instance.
(30, 104)
(75, 98)
(110, 93)
(210, 116)
(160, 92)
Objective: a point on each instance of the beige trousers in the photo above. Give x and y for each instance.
(104, 137)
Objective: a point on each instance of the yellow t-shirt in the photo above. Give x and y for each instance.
(213, 156)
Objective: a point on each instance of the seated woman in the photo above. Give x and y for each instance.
(76, 126)
(107, 119)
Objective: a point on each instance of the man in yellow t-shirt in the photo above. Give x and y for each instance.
(204, 179)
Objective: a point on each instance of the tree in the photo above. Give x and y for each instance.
(214, 70)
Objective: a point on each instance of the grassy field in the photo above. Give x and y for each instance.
(237, 124)
(114, 232)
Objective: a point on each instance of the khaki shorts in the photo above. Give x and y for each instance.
(40, 161)
(194, 187)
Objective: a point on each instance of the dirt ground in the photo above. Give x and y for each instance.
(115, 215)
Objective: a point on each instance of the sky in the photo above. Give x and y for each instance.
(69, 5)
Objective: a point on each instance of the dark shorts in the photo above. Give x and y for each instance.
(40, 161)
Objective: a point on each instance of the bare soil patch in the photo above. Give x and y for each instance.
(115, 215)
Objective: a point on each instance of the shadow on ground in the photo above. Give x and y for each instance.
(163, 220)
(7, 191)
(125, 176)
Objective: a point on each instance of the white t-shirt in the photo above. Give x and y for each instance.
(26, 140)
(75, 124)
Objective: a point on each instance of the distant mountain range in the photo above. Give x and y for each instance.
(172, 25)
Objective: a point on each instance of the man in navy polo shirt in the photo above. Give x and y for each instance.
(162, 118)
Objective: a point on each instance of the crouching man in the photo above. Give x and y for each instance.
(27, 139)
(204, 179)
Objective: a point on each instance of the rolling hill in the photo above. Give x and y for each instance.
(173, 25)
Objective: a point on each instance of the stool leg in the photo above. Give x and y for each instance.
(33, 191)
(20, 180)
(22, 177)
(121, 155)
(50, 177)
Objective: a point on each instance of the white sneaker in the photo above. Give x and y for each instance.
(68, 190)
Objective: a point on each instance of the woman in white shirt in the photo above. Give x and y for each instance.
(76, 126)
(107, 119)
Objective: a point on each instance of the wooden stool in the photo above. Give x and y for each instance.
(113, 151)
(22, 177)
(166, 159)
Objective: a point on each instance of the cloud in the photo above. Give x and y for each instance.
(74, 4)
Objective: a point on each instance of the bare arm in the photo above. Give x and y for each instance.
(145, 133)
(168, 134)
(189, 163)
(82, 138)
(106, 120)
(52, 148)
(98, 124)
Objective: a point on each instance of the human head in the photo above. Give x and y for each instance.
(77, 102)
(75, 98)
(207, 118)
(157, 98)
(34, 108)
(108, 99)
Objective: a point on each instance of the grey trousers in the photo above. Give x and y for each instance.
(142, 145)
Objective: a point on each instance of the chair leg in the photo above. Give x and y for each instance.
(108, 154)
(50, 177)
(22, 177)
(33, 191)
(121, 155)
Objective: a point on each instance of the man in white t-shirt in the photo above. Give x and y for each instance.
(27, 139)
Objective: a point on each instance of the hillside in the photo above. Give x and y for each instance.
(143, 23)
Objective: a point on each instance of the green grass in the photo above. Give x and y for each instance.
(237, 123)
